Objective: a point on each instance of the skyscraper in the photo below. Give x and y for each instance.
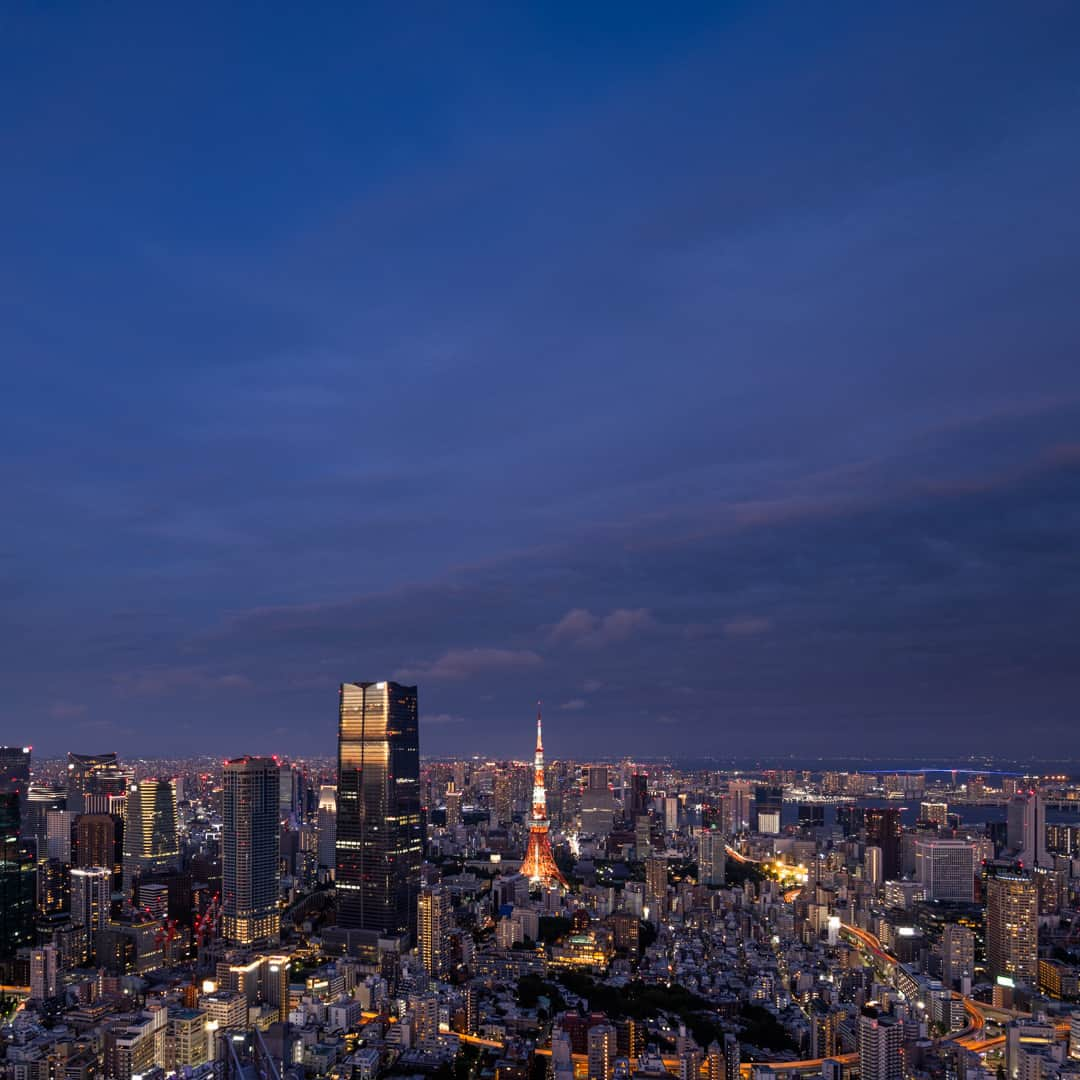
(17, 880)
(15, 774)
(151, 841)
(656, 882)
(379, 842)
(1026, 829)
(768, 808)
(327, 826)
(884, 830)
(82, 770)
(947, 869)
(41, 799)
(96, 840)
(91, 895)
(250, 851)
(433, 931)
(1012, 926)
(539, 863)
(712, 857)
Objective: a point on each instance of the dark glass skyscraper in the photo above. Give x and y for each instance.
(16, 880)
(379, 843)
(15, 774)
(884, 829)
(250, 851)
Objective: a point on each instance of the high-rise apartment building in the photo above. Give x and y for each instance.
(936, 813)
(91, 897)
(957, 955)
(602, 1051)
(433, 931)
(656, 887)
(881, 1046)
(712, 857)
(379, 842)
(151, 840)
(1012, 926)
(250, 851)
(946, 869)
(501, 801)
(44, 973)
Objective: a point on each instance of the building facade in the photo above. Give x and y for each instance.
(379, 843)
(250, 851)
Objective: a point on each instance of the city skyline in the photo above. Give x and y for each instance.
(705, 373)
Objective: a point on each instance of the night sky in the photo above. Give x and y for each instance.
(711, 372)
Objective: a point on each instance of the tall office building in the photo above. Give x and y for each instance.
(881, 1046)
(741, 793)
(82, 772)
(250, 851)
(872, 869)
(947, 869)
(433, 931)
(1026, 829)
(15, 774)
(636, 799)
(884, 830)
(379, 842)
(17, 880)
(768, 808)
(1012, 926)
(712, 857)
(59, 825)
(91, 902)
(98, 840)
(40, 799)
(326, 823)
(151, 838)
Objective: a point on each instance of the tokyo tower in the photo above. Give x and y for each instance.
(539, 865)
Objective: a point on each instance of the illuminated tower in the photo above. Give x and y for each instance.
(539, 865)
(250, 851)
(151, 843)
(379, 840)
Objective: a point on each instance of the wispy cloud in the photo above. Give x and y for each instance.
(580, 626)
(467, 663)
(748, 626)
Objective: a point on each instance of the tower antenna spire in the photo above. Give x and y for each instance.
(539, 726)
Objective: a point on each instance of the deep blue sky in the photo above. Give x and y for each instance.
(711, 372)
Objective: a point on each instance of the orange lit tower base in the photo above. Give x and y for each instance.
(539, 864)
